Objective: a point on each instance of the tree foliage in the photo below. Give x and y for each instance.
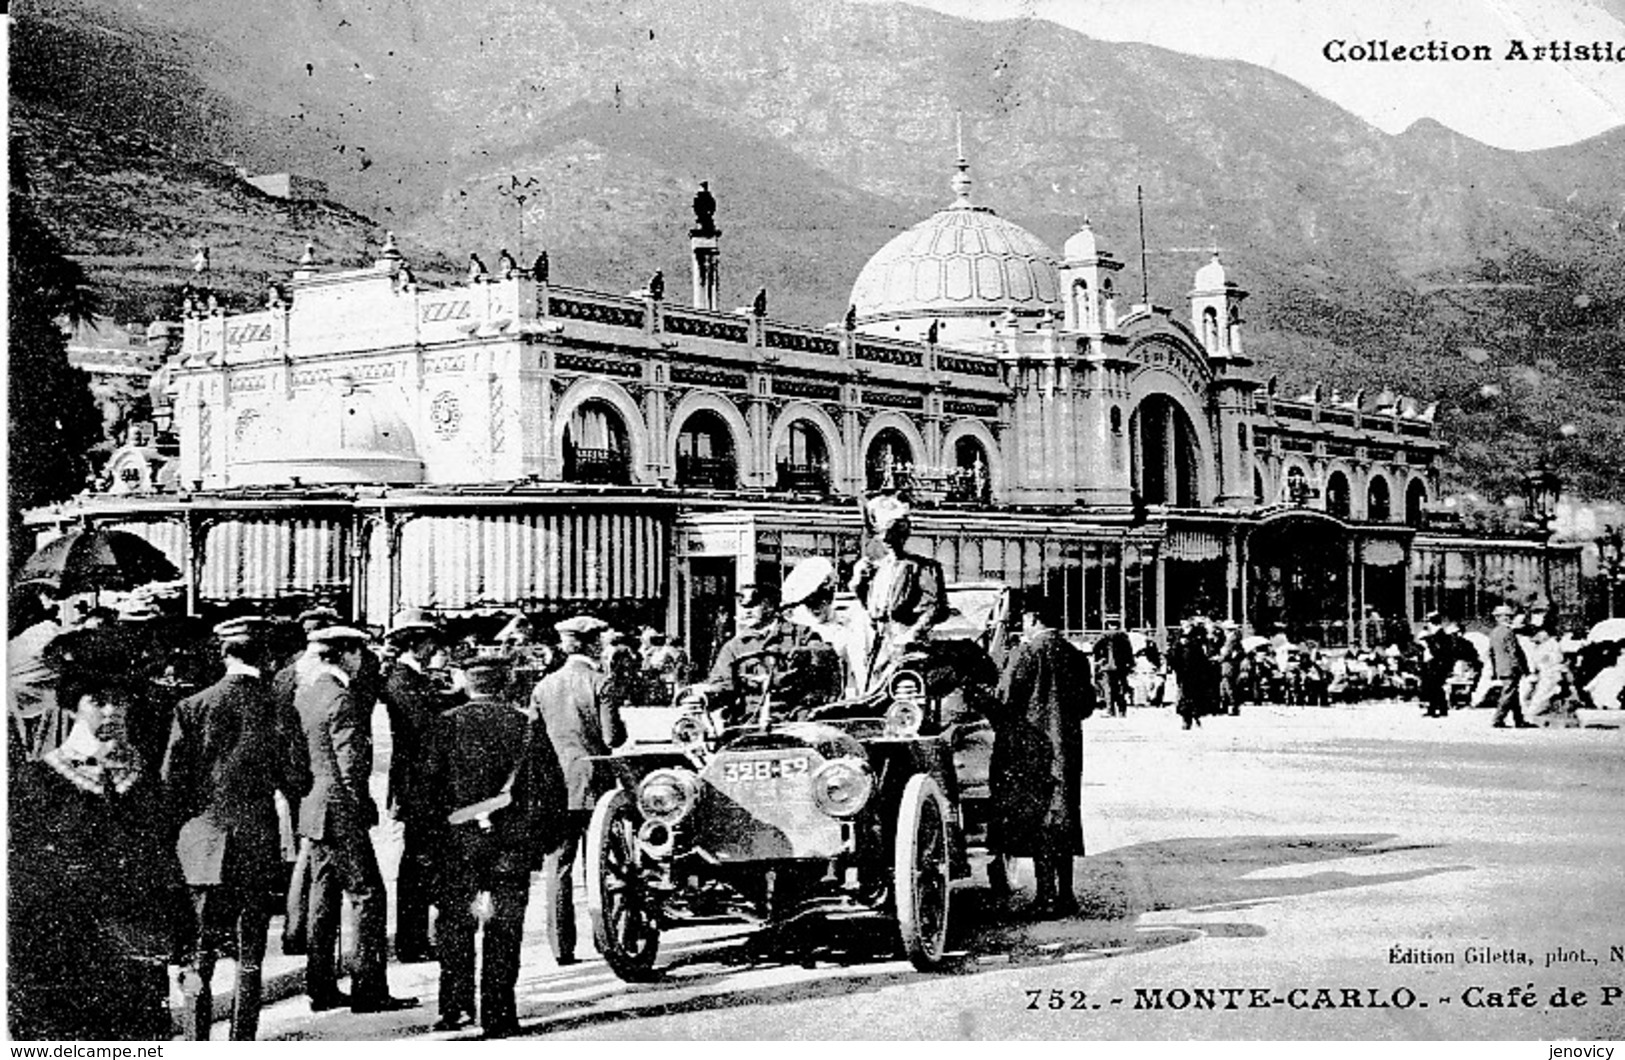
(54, 421)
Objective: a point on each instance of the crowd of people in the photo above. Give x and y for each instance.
(175, 786)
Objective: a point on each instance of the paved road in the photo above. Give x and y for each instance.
(1259, 872)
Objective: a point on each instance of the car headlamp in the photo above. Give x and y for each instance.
(667, 795)
(688, 730)
(841, 787)
(904, 718)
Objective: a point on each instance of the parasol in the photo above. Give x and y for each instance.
(1609, 629)
(1253, 643)
(93, 559)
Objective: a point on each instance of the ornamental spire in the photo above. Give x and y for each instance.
(961, 182)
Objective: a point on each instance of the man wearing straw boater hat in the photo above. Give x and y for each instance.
(335, 817)
(231, 749)
(413, 703)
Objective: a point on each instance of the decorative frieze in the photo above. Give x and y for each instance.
(968, 366)
(807, 388)
(889, 355)
(894, 399)
(701, 328)
(689, 375)
(961, 407)
(595, 312)
(579, 362)
(795, 340)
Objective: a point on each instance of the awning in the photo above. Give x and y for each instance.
(1193, 546)
(257, 559)
(524, 560)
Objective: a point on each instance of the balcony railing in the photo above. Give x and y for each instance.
(598, 467)
(709, 473)
(803, 478)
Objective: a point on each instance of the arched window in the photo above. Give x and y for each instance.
(972, 481)
(596, 449)
(1117, 437)
(705, 453)
(802, 459)
(1163, 453)
(1378, 505)
(1337, 495)
(1108, 305)
(1235, 332)
(889, 463)
(1416, 502)
(1080, 304)
(1297, 489)
(1258, 486)
(1210, 329)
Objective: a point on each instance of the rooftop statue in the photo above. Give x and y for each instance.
(705, 211)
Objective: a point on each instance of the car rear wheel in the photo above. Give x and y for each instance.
(920, 872)
(625, 924)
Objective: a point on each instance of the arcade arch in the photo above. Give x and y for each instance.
(709, 444)
(599, 435)
(1166, 453)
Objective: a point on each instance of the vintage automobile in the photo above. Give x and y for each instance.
(851, 809)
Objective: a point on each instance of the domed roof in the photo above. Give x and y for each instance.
(1210, 277)
(336, 434)
(961, 261)
(1081, 246)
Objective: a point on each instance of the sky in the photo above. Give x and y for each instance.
(1519, 105)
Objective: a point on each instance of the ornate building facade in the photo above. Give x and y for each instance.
(511, 441)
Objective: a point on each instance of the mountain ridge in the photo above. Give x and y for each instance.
(826, 127)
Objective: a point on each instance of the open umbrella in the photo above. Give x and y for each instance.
(92, 559)
(1609, 629)
(1253, 643)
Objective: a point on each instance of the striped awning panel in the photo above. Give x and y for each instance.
(263, 559)
(526, 559)
(1193, 546)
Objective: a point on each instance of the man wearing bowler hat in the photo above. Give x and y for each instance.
(582, 723)
(413, 703)
(335, 817)
(231, 748)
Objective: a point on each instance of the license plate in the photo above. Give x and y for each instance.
(761, 770)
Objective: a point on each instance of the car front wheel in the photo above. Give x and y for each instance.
(920, 872)
(625, 924)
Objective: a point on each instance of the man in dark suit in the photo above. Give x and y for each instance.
(581, 723)
(903, 592)
(1036, 774)
(483, 753)
(335, 817)
(414, 703)
(231, 748)
(1507, 669)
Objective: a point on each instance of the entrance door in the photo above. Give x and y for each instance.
(1298, 581)
(710, 608)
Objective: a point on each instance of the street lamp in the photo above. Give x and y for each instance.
(1542, 488)
(1611, 551)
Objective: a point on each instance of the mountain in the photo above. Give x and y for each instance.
(1491, 280)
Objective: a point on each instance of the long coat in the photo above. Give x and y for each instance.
(231, 748)
(472, 751)
(1036, 776)
(414, 705)
(581, 723)
(340, 740)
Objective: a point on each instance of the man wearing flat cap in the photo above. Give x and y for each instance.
(582, 723)
(414, 703)
(759, 628)
(903, 592)
(232, 747)
(335, 817)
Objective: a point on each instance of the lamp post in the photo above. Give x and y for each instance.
(1542, 488)
(1611, 551)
